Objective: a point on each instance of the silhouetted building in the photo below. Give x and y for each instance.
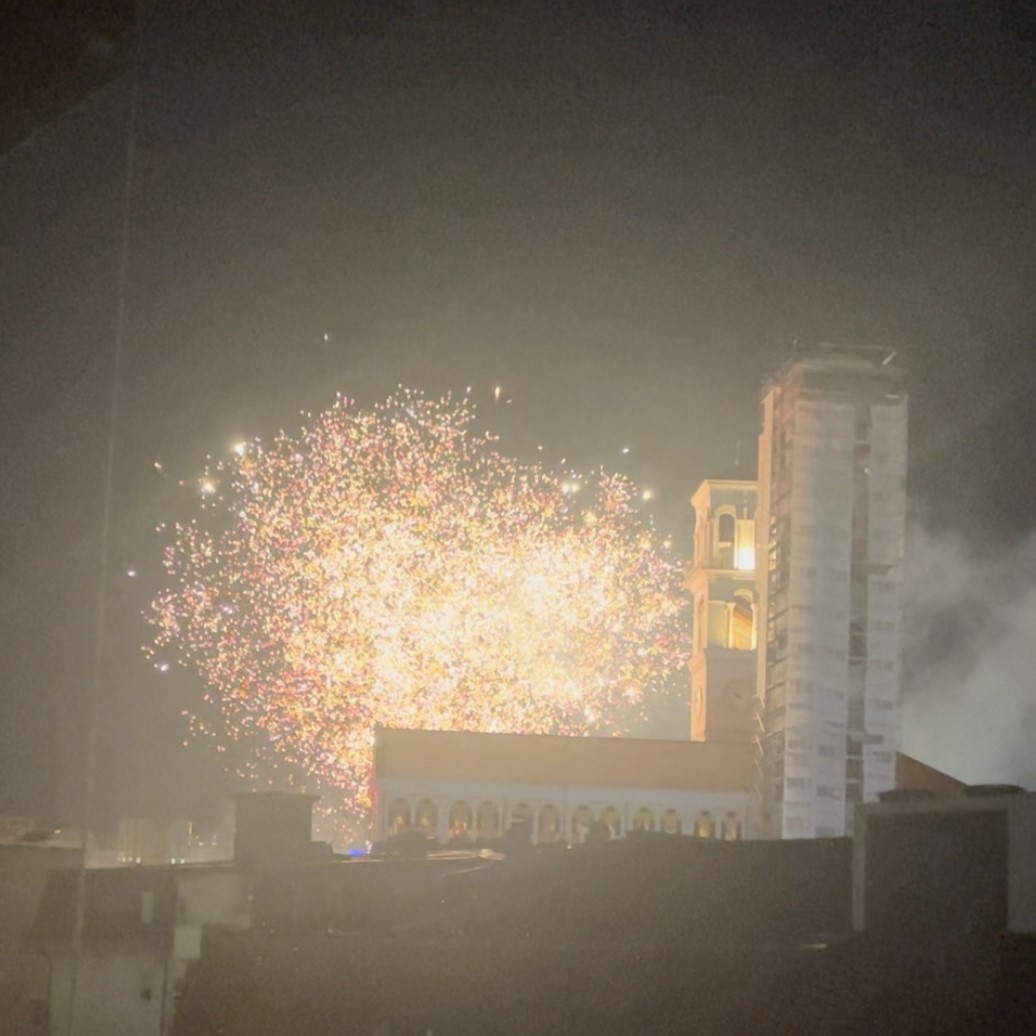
(27, 858)
(272, 828)
(940, 871)
(144, 924)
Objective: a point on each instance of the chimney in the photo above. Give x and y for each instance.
(272, 828)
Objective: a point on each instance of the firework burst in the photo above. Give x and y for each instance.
(391, 567)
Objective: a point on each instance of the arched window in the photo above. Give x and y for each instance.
(726, 525)
(726, 532)
(426, 816)
(731, 828)
(643, 820)
(671, 823)
(612, 819)
(521, 813)
(488, 821)
(550, 823)
(704, 826)
(460, 821)
(582, 819)
(397, 817)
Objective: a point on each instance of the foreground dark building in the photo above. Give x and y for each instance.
(323, 985)
(653, 933)
(669, 937)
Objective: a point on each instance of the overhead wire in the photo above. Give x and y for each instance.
(96, 686)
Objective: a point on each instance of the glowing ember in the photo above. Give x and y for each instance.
(390, 567)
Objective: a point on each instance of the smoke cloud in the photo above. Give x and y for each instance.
(969, 693)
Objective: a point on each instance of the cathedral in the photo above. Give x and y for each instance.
(795, 588)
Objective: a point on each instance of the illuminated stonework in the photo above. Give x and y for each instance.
(722, 582)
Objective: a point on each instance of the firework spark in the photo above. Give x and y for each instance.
(391, 567)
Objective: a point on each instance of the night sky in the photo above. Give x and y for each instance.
(622, 216)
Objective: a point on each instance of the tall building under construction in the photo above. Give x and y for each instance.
(830, 530)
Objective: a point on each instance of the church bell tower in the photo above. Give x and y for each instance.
(723, 586)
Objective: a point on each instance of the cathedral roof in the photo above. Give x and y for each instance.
(560, 760)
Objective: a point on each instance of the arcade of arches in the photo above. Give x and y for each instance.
(464, 821)
(468, 788)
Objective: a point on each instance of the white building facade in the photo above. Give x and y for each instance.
(830, 532)
(466, 788)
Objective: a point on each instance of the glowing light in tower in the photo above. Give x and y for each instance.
(744, 560)
(391, 567)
